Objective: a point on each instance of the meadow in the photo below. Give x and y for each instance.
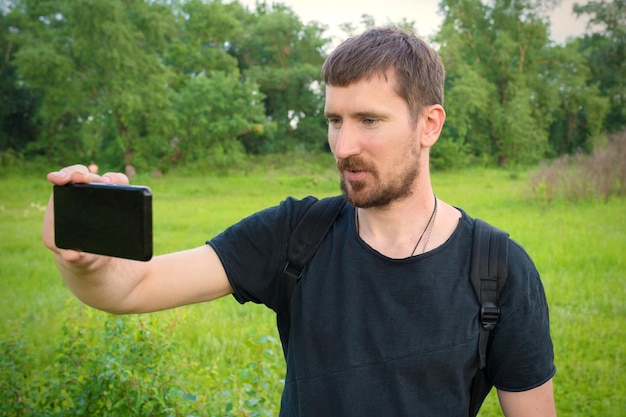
(60, 358)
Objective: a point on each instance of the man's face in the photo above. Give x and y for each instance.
(374, 140)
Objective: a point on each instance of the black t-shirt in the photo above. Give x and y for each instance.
(373, 336)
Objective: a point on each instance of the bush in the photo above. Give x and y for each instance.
(121, 366)
(10, 158)
(573, 178)
(126, 368)
(15, 366)
(448, 154)
(249, 390)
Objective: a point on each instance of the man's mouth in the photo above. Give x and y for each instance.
(354, 175)
(352, 169)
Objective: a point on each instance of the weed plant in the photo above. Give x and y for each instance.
(601, 174)
(58, 357)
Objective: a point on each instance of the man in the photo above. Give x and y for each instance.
(384, 321)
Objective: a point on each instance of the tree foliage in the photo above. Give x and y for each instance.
(508, 86)
(284, 57)
(17, 105)
(158, 83)
(605, 51)
(136, 82)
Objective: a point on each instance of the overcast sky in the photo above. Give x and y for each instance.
(564, 24)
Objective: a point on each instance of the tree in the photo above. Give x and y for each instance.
(17, 103)
(493, 53)
(213, 111)
(581, 107)
(103, 87)
(214, 105)
(134, 82)
(204, 32)
(509, 89)
(605, 50)
(284, 57)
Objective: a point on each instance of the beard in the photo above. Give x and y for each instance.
(375, 191)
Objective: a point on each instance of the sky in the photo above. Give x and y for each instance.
(564, 23)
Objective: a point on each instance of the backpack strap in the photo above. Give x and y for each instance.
(489, 274)
(306, 239)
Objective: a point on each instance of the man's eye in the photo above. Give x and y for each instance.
(369, 121)
(334, 121)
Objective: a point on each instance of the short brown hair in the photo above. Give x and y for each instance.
(418, 68)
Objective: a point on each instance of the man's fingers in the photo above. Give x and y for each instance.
(79, 174)
(73, 256)
(78, 259)
(73, 173)
(78, 177)
(115, 178)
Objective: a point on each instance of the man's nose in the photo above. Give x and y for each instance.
(347, 141)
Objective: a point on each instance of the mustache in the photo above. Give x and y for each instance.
(353, 163)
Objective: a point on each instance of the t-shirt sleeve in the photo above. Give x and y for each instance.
(253, 252)
(521, 355)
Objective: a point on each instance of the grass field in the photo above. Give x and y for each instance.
(227, 357)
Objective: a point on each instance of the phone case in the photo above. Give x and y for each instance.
(105, 219)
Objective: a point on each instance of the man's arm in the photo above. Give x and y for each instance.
(124, 286)
(537, 402)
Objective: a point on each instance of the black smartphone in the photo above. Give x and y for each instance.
(105, 219)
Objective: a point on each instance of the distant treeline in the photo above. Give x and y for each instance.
(160, 83)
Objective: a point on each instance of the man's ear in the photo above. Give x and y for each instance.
(434, 116)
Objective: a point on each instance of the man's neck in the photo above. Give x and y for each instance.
(395, 229)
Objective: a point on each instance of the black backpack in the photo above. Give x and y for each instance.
(488, 273)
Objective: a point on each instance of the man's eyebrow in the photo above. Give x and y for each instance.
(357, 115)
(368, 115)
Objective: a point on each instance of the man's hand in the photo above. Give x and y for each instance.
(125, 286)
(74, 174)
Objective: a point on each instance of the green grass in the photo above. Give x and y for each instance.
(578, 248)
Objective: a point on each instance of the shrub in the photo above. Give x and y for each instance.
(10, 158)
(448, 154)
(15, 366)
(121, 366)
(125, 369)
(577, 177)
(250, 389)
